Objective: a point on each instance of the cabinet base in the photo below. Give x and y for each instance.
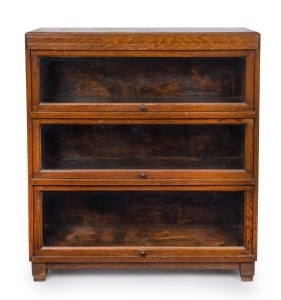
(39, 270)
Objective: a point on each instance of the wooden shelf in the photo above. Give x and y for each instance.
(131, 100)
(182, 163)
(176, 236)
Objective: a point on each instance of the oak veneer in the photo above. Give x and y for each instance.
(143, 148)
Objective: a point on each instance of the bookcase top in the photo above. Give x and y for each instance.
(144, 29)
(142, 39)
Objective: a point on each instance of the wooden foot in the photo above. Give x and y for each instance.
(39, 271)
(247, 271)
(247, 277)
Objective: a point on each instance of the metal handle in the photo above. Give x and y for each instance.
(143, 108)
(142, 175)
(143, 253)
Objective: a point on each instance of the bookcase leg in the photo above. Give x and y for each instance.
(247, 271)
(39, 271)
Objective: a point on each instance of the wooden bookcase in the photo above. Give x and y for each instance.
(143, 148)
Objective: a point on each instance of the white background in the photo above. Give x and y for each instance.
(16, 18)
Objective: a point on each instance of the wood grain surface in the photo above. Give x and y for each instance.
(142, 39)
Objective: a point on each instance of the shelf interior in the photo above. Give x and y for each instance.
(183, 219)
(142, 79)
(143, 146)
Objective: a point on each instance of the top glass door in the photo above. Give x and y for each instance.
(142, 80)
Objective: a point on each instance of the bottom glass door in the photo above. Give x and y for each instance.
(141, 218)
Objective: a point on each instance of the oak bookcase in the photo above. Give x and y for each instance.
(143, 148)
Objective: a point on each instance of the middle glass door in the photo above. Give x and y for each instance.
(143, 147)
